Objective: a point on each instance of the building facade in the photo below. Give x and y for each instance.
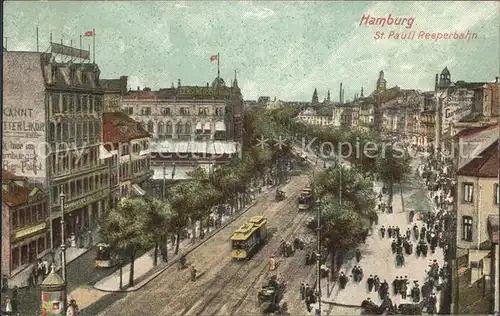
(310, 117)
(477, 200)
(59, 105)
(25, 223)
(129, 156)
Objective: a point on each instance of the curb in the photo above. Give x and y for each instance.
(341, 304)
(174, 261)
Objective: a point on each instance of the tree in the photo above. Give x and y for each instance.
(342, 227)
(394, 166)
(125, 229)
(158, 216)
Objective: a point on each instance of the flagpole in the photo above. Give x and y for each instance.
(89, 51)
(80, 53)
(37, 39)
(50, 38)
(93, 42)
(218, 66)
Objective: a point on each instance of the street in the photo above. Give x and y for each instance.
(224, 287)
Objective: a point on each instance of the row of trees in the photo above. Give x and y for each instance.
(137, 224)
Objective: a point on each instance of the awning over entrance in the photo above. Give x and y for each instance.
(104, 153)
(137, 189)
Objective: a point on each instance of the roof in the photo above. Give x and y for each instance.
(472, 131)
(7, 175)
(198, 147)
(493, 223)
(484, 165)
(249, 228)
(119, 127)
(20, 195)
(118, 85)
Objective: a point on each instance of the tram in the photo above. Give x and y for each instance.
(305, 199)
(249, 238)
(104, 257)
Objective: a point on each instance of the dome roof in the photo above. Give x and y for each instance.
(218, 82)
(445, 71)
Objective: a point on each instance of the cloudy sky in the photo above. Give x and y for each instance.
(282, 49)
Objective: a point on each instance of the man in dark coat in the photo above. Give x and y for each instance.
(397, 231)
(415, 232)
(358, 255)
(431, 304)
(342, 280)
(395, 285)
(382, 231)
(370, 282)
(408, 233)
(393, 246)
(389, 231)
(302, 291)
(376, 283)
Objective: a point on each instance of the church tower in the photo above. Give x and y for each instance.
(328, 100)
(362, 92)
(444, 79)
(315, 97)
(381, 82)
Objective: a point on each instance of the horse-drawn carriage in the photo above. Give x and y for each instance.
(270, 295)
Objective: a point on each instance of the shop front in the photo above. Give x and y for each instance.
(27, 246)
(80, 216)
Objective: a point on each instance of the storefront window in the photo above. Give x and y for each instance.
(41, 244)
(21, 218)
(32, 251)
(15, 257)
(24, 254)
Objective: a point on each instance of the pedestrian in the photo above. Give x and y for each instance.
(382, 231)
(397, 231)
(342, 280)
(358, 255)
(34, 272)
(395, 285)
(302, 291)
(393, 246)
(8, 306)
(5, 283)
(412, 214)
(40, 269)
(73, 309)
(360, 274)
(376, 283)
(431, 307)
(408, 233)
(46, 268)
(370, 282)
(404, 289)
(389, 231)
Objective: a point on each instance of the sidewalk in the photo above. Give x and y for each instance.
(21, 279)
(378, 259)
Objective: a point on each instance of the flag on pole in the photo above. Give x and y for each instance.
(89, 33)
(213, 58)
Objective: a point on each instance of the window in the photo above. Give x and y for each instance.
(52, 132)
(91, 104)
(84, 78)
(98, 104)
(65, 103)
(15, 258)
(169, 129)
(187, 128)
(467, 228)
(150, 127)
(184, 111)
(178, 128)
(161, 128)
(468, 192)
(129, 110)
(78, 104)
(497, 194)
(85, 104)
(165, 111)
(55, 104)
(203, 111)
(146, 111)
(15, 221)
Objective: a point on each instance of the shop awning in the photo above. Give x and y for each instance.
(137, 189)
(104, 153)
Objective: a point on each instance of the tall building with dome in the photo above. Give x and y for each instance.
(190, 125)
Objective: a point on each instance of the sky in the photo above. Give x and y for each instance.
(279, 49)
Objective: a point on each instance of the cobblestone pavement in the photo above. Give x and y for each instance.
(224, 286)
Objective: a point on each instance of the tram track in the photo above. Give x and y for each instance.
(215, 264)
(234, 271)
(251, 273)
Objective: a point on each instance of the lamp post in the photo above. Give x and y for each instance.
(62, 198)
(318, 255)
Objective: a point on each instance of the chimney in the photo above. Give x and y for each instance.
(208, 85)
(178, 83)
(138, 88)
(436, 83)
(496, 79)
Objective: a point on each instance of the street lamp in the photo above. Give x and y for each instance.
(318, 255)
(62, 198)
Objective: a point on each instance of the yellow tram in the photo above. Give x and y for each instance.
(305, 199)
(249, 238)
